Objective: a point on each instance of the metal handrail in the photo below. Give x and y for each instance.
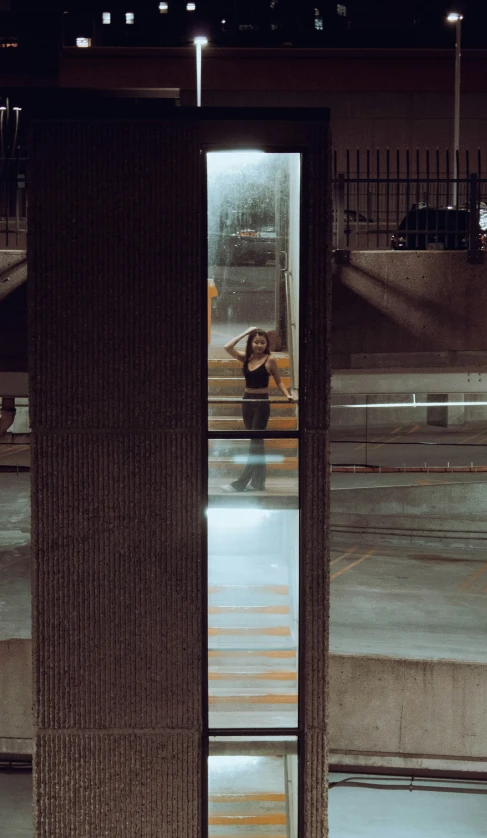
(218, 400)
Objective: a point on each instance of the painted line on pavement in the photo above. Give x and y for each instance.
(343, 556)
(467, 582)
(354, 564)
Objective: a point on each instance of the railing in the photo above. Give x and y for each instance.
(13, 202)
(408, 200)
(408, 432)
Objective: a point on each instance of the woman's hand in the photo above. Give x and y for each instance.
(250, 329)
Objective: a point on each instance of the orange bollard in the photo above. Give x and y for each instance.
(212, 292)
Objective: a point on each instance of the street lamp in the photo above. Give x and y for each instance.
(199, 42)
(456, 18)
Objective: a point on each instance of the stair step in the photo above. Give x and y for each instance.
(251, 797)
(248, 609)
(237, 383)
(235, 409)
(237, 446)
(230, 423)
(252, 653)
(273, 675)
(282, 590)
(287, 464)
(246, 820)
(251, 631)
(269, 698)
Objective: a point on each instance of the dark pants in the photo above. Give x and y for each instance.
(256, 417)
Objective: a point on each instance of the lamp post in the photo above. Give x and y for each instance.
(456, 18)
(199, 42)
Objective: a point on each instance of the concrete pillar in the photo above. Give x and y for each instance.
(445, 415)
(117, 411)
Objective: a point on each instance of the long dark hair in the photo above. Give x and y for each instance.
(253, 334)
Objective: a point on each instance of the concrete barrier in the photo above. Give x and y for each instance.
(410, 308)
(455, 511)
(412, 714)
(384, 712)
(16, 697)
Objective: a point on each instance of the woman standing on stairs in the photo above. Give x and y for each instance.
(258, 366)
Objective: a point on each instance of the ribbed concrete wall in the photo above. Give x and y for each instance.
(116, 408)
(315, 380)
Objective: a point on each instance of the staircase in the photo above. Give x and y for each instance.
(252, 641)
(227, 457)
(252, 815)
(225, 380)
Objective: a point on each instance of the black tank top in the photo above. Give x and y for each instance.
(256, 378)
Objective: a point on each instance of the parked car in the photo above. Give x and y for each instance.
(247, 246)
(433, 228)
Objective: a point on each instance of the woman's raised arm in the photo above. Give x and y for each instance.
(230, 346)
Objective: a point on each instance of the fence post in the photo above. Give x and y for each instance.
(474, 251)
(342, 255)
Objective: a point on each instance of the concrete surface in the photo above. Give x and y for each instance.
(16, 693)
(414, 602)
(354, 812)
(386, 813)
(16, 804)
(414, 708)
(407, 442)
(15, 608)
(444, 510)
(408, 302)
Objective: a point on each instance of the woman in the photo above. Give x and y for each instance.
(258, 366)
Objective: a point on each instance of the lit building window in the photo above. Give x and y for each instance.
(190, 7)
(317, 12)
(163, 8)
(319, 23)
(341, 10)
(106, 17)
(129, 17)
(83, 42)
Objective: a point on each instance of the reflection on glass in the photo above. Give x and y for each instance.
(253, 277)
(408, 568)
(252, 787)
(252, 617)
(410, 430)
(253, 471)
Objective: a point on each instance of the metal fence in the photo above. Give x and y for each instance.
(382, 199)
(408, 200)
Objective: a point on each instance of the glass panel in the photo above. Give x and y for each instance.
(406, 431)
(252, 614)
(15, 604)
(254, 470)
(253, 278)
(408, 566)
(252, 787)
